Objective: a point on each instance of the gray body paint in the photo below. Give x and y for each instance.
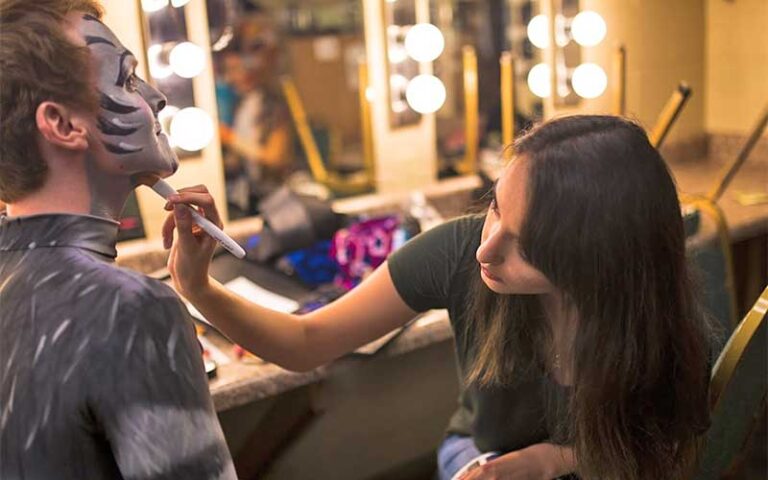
(102, 375)
(127, 139)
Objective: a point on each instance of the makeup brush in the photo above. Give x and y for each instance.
(162, 188)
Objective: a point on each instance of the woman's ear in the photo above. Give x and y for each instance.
(61, 126)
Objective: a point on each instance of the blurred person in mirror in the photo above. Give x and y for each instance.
(102, 374)
(581, 344)
(255, 127)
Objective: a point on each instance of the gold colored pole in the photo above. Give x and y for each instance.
(299, 115)
(729, 171)
(620, 76)
(507, 98)
(551, 17)
(669, 114)
(471, 111)
(366, 124)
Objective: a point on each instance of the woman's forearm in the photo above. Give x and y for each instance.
(304, 342)
(277, 337)
(559, 460)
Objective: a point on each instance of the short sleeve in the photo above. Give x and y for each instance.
(424, 269)
(150, 397)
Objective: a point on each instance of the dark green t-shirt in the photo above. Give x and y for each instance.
(435, 270)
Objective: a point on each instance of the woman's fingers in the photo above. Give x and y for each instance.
(168, 226)
(199, 199)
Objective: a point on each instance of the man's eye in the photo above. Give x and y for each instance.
(493, 206)
(132, 83)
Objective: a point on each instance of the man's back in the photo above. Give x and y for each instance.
(100, 371)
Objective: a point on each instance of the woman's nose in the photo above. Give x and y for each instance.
(487, 252)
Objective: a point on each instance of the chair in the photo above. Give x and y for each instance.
(737, 394)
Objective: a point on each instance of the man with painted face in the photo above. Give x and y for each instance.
(100, 372)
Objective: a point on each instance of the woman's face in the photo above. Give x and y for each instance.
(502, 267)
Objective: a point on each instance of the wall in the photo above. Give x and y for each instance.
(123, 17)
(406, 157)
(665, 44)
(736, 65)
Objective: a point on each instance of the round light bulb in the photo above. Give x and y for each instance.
(179, 3)
(157, 68)
(397, 54)
(588, 28)
(538, 31)
(165, 116)
(424, 42)
(589, 80)
(187, 59)
(425, 93)
(150, 6)
(398, 83)
(192, 129)
(538, 80)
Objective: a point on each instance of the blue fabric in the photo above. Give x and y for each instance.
(455, 452)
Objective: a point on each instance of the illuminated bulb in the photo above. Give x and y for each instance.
(424, 42)
(538, 80)
(192, 129)
(397, 54)
(538, 31)
(157, 68)
(165, 116)
(179, 3)
(399, 106)
(425, 93)
(588, 28)
(150, 6)
(398, 83)
(187, 60)
(589, 80)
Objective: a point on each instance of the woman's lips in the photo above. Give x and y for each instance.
(490, 275)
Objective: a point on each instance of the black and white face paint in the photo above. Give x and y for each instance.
(128, 127)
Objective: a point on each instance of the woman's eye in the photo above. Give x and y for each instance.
(132, 83)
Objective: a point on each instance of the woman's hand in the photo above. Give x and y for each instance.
(192, 251)
(543, 461)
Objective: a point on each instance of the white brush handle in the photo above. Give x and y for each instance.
(165, 191)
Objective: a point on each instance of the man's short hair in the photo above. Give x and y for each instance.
(38, 63)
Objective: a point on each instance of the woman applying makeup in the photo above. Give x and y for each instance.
(580, 341)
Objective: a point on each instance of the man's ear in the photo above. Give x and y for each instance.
(61, 126)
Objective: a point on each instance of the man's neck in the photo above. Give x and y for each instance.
(83, 191)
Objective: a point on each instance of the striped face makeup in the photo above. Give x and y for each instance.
(128, 129)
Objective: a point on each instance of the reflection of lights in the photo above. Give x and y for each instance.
(424, 42)
(589, 80)
(538, 80)
(397, 54)
(425, 93)
(538, 31)
(370, 94)
(398, 83)
(157, 68)
(179, 3)
(187, 59)
(399, 106)
(588, 28)
(192, 129)
(165, 117)
(150, 6)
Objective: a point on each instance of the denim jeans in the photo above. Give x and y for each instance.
(455, 452)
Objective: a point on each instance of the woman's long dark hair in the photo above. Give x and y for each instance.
(603, 224)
